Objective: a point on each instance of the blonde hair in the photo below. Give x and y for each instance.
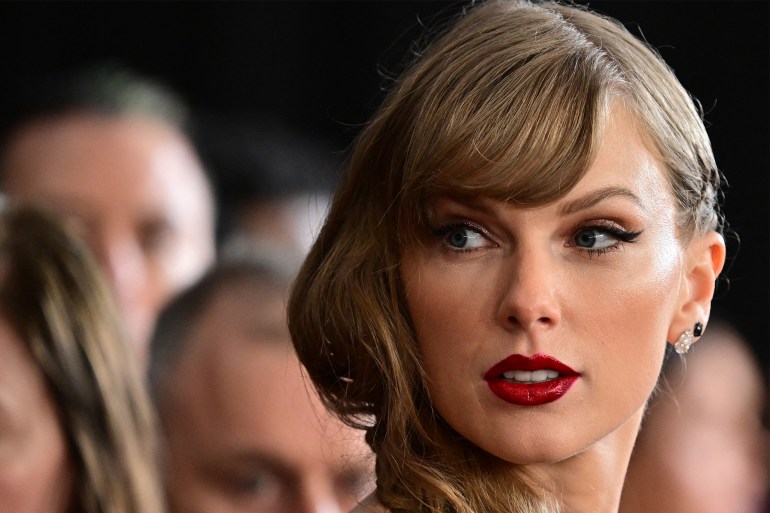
(510, 104)
(54, 298)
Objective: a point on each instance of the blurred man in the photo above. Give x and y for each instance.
(107, 150)
(244, 429)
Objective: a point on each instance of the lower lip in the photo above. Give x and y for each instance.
(531, 394)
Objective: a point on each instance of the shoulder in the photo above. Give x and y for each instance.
(370, 505)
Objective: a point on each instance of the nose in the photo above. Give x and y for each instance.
(320, 504)
(529, 290)
(327, 505)
(122, 263)
(317, 495)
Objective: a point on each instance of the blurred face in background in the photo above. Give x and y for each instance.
(245, 431)
(35, 473)
(291, 223)
(702, 447)
(136, 191)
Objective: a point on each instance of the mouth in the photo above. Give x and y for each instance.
(537, 376)
(530, 380)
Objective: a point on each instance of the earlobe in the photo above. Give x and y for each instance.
(704, 260)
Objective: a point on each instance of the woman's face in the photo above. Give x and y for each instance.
(34, 461)
(542, 330)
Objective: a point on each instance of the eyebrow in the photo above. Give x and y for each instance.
(597, 196)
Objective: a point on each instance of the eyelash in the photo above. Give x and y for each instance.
(441, 233)
(622, 236)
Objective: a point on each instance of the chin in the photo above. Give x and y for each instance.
(542, 451)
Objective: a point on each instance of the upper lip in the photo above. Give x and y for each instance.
(529, 363)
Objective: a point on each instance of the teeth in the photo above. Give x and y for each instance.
(537, 376)
(518, 375)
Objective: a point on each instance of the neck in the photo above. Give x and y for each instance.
(592, 480)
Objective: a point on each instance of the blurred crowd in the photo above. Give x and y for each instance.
(146, 253)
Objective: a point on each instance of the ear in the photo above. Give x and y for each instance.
(704, 259)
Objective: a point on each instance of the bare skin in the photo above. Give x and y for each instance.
(134, 189)
(35, 469)
(599, 280)
(701, 443)
(245, 430)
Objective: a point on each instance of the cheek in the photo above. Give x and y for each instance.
(424, 305)
(628, 321)
(639, 297)
(36, 474)
(183, 258)
(652, 291)
(450, 314)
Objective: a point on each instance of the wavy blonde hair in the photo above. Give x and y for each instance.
(53, 296)
(508, 103)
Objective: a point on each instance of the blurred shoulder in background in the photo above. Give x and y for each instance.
(702, 446)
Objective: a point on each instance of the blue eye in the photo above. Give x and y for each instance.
(463, 238)
(600, 238)
(594, 239)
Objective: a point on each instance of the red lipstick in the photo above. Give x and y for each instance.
(524, 382)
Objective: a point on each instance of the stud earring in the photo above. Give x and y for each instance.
(683, 343)
(697, 331)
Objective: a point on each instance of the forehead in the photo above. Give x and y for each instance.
(245, 393)
(104, 164)
(252, 402)
(625, 158)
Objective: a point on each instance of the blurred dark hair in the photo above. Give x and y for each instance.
(259, 160)
(178, 318)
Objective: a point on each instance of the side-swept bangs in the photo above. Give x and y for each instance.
(509, 114)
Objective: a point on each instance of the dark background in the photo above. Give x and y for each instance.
(320, 67)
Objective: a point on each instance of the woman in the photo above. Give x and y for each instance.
(75, 423)
(528, 218)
